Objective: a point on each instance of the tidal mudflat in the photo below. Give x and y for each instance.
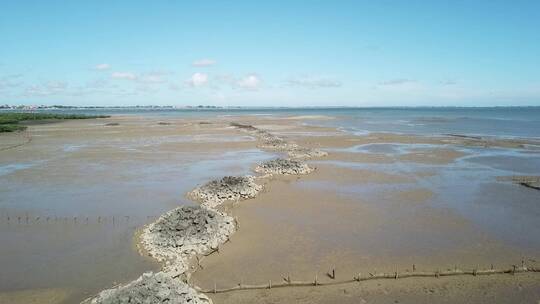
(74, 197)
(383, 202)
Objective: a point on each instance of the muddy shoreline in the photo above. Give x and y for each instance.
(185, 234)
(286, 188)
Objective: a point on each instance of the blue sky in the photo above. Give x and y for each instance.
(278, 53)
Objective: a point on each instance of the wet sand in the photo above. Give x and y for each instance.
(507, 289)
(305, 230)
(73, 197)
(364, 209)
(305, 226)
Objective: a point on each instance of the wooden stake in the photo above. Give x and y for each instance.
(332, 274)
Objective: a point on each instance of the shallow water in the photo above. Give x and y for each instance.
(467, 185)
(492, 121)
(70, 205)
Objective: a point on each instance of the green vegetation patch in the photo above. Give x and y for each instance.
(11, 128)
(11, 122)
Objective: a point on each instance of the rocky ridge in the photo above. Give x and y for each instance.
(228, 188)
(186, 231)
(284, 166)
(158, 287)
(276, 143)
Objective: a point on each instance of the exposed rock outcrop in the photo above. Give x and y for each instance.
(150, 287)
(228, 188)
(276, 143)
(284, 166)
(188, 231)
(532, 182)
(304, 153)
(175, 237)
(185, 231)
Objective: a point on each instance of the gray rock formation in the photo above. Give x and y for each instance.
(175, 237)
(275, 143)
(151, 288)
(284, 166)
(185, 231)
(532, 182)
(304, 153)
(229, 188)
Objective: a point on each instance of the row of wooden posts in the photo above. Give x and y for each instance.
(75, 219)
(288, 282)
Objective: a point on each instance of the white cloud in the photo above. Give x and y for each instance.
(97, 84)
(314, 82)
(49, 88)
(153, 78)
(124, 75)
(449, 82)
(250, 82)
(203, 62)
(102, 67)
(56, 85)
(34, 90)
(396, 82)
(197, 80)
(150, 78)
(10, 81)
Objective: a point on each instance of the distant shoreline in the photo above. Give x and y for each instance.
(220, 108)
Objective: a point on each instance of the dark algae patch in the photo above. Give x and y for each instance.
(11, 122)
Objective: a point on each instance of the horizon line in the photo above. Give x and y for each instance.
(215, 107)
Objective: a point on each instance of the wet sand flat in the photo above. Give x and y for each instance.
(371, 211)
(73, 197)
(79, 190)
(508, 289)
(303, 229)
